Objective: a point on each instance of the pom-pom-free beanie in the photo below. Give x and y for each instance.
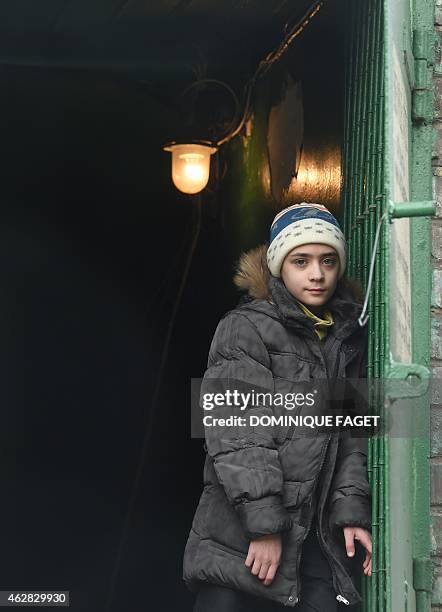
(304, 224)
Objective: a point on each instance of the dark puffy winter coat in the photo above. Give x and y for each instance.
(265, 483)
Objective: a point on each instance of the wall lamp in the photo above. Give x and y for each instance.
(190, 164)
(191, 160)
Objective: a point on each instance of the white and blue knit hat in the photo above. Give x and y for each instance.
(303, 224)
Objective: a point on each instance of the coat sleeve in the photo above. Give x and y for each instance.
(350, 495)
(246, 460)
(350, 500)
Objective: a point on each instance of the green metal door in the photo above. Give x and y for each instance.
(364, 205)
(379, 156)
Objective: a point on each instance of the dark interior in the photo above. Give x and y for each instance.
(102, 328)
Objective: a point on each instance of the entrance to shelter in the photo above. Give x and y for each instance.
(121, 280)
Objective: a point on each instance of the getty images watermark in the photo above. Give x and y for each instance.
(282, 408)
(289, 401)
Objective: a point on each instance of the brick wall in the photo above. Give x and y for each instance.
(436, 326)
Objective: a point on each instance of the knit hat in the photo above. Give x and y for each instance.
(303, 224)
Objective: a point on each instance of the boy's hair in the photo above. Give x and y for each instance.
(304, 224)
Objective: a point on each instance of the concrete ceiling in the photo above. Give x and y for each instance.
(153, 48)
(145, 36)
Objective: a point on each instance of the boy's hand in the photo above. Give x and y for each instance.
(364, 537)
(264, 556)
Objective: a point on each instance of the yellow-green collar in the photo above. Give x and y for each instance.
(320, 325)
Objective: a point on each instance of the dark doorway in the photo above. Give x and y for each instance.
(95, 241)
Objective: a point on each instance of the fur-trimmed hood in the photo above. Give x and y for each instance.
(253, 277)
(252, 273)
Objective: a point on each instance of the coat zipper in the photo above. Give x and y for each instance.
(337, 585)
(336, 580)
(298, 575)
(330, 556)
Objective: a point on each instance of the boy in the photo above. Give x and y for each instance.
(271, 495)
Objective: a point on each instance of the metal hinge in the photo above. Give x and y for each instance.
(422, 574)
(422, 93)
(407, 380)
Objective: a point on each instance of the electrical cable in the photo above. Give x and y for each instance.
(160, 296)
(363, 319)
(272, 57)
(222, 84)
(293, 33)
(152, 411)
(263, 67)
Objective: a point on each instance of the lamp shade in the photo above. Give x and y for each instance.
(190, 165)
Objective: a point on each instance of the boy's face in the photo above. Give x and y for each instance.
(308, 267)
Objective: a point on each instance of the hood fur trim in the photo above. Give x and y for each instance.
(252, 275)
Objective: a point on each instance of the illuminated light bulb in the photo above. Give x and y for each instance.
(190, 165)
(193, 167)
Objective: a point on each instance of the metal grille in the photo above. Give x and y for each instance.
(363, 205)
